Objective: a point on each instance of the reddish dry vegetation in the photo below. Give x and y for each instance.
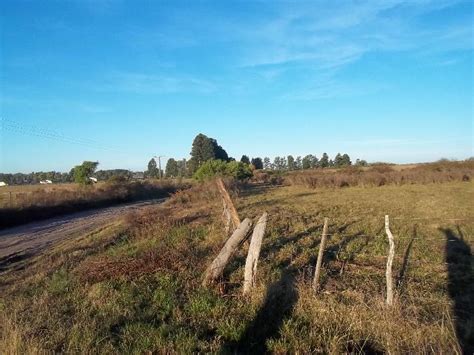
(384, 174)
(172, 254)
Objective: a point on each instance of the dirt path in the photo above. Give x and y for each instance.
(34, 237)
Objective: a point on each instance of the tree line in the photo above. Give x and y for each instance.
(204, 151)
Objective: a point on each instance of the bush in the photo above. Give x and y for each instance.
(213, 168)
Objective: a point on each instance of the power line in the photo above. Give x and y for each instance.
(46, 133)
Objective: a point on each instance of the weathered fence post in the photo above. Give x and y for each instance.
(317, 272)
(227, 218)
(215, 270)
(391, 255)
(229, 208)
(254, 253)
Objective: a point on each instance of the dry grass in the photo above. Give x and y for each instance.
(381, 175)
(138, 288)
(31, 203)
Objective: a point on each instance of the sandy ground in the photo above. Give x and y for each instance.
(32, 238)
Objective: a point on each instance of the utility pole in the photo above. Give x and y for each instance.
(159, 164)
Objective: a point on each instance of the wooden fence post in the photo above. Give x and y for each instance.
(227, 218)
(254, 253)
(228, 203)
(215, 270)
(391, 255)
(322, 246)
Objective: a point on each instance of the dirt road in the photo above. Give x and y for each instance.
(34, 237)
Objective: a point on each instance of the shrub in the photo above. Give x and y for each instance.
(213, 168)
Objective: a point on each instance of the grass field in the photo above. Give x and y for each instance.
(136, 287)
(26, 203)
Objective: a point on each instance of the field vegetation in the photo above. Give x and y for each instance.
(384, 174)
(24, 203)
(136, 287)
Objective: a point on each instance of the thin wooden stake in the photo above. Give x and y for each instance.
(228, 202)
(391, 255)
(254, 253)
(322, 246)
(215, 270)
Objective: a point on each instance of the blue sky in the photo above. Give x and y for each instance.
(121, 81)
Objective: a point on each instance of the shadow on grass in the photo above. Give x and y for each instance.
(461, 287)
(406, 257)
(280, 300)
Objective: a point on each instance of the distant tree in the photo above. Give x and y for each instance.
(83, 172)
(291, 162)
(346, 160)
(182, 168)
(360, 162)
(257, 163)
(267, 164)
(324, 161)
(245, 159)
(338, 161)
(298, 163)
(172, 169)
(204, 149)
(280, 163)
(309, 162)
(306, 164)
(153, 171)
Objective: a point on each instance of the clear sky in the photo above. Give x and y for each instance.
(121, 81)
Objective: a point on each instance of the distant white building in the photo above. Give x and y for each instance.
(45, 182)
(93, 179)
(3, 183)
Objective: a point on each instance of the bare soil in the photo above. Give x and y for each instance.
(28, 240)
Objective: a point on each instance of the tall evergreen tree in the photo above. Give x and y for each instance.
(172, 169)
(204, 149)
(338, 162)
(152, 171)
(245, 159)
(291, 162)
(257, 163)
(346, 160)
(324, 161)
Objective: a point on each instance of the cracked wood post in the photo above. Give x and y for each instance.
(227, 218)
(391, 255)
(228, 203)
(322, 246)
(215, 270)
(254, 253)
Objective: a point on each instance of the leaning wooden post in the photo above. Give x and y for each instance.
(254, 253)
(227, 218)
(215, 270)
(322, 246)
(228, 202)
(391, 255)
